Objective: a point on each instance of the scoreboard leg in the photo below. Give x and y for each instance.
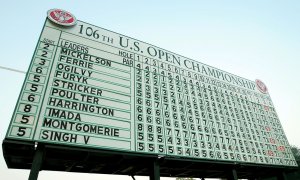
(232, 175)
(282, 176)
(37, 163)
(155, 174)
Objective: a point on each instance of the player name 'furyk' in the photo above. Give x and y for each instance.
(71, 77)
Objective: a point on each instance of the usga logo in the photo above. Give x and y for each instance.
(261, 86)
(61, 17)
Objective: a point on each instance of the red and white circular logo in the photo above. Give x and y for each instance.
(61, 17)
(261, 86)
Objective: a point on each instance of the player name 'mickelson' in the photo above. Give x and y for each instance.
(77, 58)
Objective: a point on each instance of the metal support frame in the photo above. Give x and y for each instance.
(232, 175)
(132, 176)
(155, 174)
(150, 167)
(37, 162)
(282, 176)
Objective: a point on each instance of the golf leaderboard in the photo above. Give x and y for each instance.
(93, 88)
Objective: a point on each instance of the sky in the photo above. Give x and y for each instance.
(253, 39)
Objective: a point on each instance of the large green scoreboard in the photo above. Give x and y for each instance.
(93, 88)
